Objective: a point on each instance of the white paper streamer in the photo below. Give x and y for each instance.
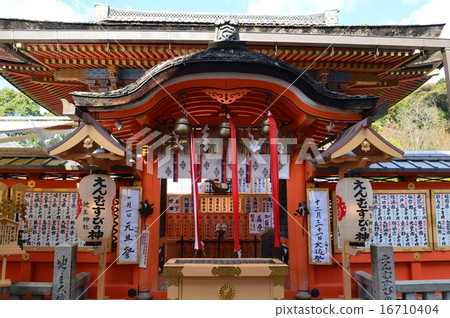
(205, 139)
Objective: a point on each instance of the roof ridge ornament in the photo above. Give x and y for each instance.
(227, 30)
(104, 13)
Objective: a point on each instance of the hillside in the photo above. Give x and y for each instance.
(419, 122)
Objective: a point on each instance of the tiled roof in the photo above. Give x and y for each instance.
(5, 55)
(33, 159)
(11, 144)
(416, 161)
(420, 162)
(104, 13)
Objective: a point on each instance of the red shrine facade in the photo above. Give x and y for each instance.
(144, 104)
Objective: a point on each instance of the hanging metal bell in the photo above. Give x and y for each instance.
(182, 126)
(265, 128)
(224, 129)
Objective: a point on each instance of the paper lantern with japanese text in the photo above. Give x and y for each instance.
(354, 202)
(95, 215)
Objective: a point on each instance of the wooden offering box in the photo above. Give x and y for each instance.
(225, 278)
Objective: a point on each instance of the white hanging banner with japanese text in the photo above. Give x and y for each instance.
(129, 225)
(319, 227)
(440, 200)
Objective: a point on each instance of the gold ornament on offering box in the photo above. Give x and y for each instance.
(226, 271)
(226, 292)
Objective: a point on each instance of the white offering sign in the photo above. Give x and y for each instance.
(400, 220)
(441, 203)
(51, 217)
(129, 220)
(319, 226)
(259, 221)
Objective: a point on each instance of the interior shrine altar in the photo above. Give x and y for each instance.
(216, 223)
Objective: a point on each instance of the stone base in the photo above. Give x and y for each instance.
(303, 295)
(5, 282)
(144, 295)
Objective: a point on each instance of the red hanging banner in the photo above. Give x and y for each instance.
(199, 167)
(194, 184)
(248, 174)
(224, 160)
(274, 178)
(235, 186)
(175, 165)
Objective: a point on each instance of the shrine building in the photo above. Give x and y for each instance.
(274, 110)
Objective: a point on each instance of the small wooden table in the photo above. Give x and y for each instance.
(225, 278)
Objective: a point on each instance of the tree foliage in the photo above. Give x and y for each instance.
(13, 103)
(420, 121)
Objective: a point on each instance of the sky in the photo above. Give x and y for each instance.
(351, 12)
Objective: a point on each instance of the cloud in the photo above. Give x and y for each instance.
(49, 10)
(297, 6)
(435, 11)
(411, 1)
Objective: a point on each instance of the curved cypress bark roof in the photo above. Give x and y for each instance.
(225, 57)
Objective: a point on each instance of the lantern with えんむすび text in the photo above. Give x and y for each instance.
(95, 217)
(354, 203)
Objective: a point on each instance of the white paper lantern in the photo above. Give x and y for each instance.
(95, 220)
(354, 202)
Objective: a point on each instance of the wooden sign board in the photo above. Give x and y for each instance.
(402, 219)
(319, 227)
(440, 202)
(259, 186)
(51, 216)
(174, 203)
(9, 234)
(259, 221)
(129, 225)
(187, 204)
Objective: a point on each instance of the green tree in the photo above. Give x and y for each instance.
(437, 97)
(421, 127)
(420, 121)
(13, 103)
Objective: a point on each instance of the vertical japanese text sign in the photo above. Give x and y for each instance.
(319, 227)
(129, 225)
(95, 218)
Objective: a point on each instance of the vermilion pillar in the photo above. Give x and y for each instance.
(297, 227)
(151, 189)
